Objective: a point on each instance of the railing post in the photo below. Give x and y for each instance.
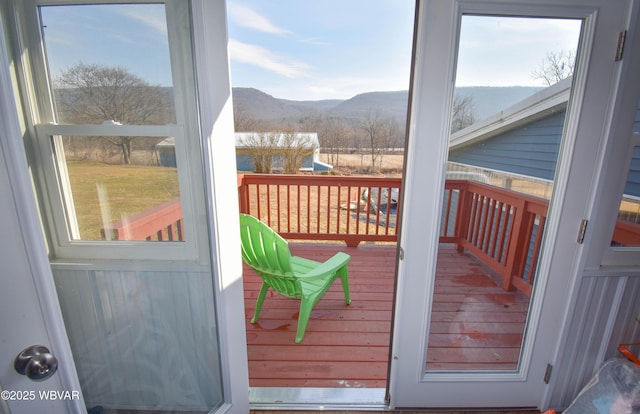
(462, 217)
(243, 195)
(518, 240)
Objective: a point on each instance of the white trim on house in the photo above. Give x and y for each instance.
(539, 105)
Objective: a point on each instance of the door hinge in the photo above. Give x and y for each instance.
(582, 231)
(401, 253)
(547, 373)
(620, 49)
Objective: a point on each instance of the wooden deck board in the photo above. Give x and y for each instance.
(476, 325)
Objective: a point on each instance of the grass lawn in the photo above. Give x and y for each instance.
(129, 189)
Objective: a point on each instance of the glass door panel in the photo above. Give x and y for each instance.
(143, 329)
(502, 161)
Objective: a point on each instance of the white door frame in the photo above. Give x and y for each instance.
(213, 85)
(29, 310)
(433, 82)
(218, 152)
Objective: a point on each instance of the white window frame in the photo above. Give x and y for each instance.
(52, 177)
(622, 255)
(614, 161)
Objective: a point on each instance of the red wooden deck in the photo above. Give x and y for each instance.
(476, 324)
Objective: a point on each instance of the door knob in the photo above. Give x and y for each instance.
(36, 362)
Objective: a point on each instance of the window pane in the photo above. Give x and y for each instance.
(126, 78)
(627, 229)
(500, 171)
(116, 200)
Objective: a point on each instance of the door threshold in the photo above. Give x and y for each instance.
(292, 398)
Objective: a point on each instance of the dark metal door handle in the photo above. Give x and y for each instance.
(36, 362)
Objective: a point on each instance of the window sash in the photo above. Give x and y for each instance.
(52, 178)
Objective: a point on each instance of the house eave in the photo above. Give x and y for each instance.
(539, 105)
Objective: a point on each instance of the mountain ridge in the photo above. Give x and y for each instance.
(487, 100)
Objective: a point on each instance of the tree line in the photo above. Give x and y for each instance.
(95, 94)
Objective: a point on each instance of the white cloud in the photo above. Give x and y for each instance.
(150, 17)
(266, 59)
(247, 17)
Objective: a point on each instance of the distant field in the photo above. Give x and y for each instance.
(391, 165)
(132, 189)
(129, 189)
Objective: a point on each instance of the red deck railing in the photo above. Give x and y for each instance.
(500, 227)
(350, 209)
(163, 222)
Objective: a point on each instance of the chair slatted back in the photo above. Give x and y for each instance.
(268, 254)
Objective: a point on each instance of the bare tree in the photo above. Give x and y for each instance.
(294, 148)
(243, 121)
(333, 136)
(379, 134)
(391, 135)
(555, 67)
(262, 148)
(285, 151)
(373, 127)
(94, 94)
(463, 113)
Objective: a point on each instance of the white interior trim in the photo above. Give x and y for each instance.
(29, 222)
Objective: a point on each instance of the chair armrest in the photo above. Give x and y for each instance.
(339, 260)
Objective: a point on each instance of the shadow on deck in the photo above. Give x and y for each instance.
(476, 325)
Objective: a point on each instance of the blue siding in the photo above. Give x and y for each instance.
(532, 150)
(633, 179)
(529, 150)
(167, 157)
(245, 162)
(308, 162)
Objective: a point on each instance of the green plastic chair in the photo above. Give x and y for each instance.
(268, 254)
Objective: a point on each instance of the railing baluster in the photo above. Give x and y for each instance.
(269, 221)
(299, 209)
(318, 192)
(258, 198)
(348, 204)
(278, 206)
(328, 209)
(288, 211)
(388, 217)
(379, 207)
(308, 208)
(536, 251)
(487, 206)
(507, 230)
(339, 209)
(496, 228)
(447, 213)
(472, 221)
(366, 231)
(358, 211)
(180, 230)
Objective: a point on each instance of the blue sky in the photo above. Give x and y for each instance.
(131, 36)
(304, 50)
(327, 49)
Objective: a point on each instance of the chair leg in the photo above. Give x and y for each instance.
(303, 318)
(261, 296)
(344, 277)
